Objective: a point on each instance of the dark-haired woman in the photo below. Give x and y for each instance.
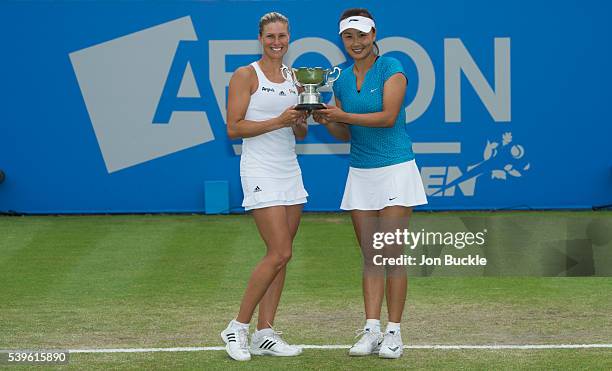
(261, 111)
(383, 183)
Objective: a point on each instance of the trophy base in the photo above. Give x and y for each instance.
(309, 106)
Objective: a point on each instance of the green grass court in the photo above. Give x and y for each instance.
(81, 282)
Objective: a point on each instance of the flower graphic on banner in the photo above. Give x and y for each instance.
(516, 152)
(502, 160)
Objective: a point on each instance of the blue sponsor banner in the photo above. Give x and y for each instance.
(117, 106)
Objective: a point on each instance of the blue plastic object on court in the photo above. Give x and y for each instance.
(216, 197)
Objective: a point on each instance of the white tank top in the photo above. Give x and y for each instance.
(271, 154)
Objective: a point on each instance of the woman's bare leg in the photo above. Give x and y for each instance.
(392, 218)
(274, 230)
(373, 280)
(269, 302)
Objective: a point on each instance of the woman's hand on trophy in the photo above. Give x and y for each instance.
(331, 114)
(318, 117)
(291, 116)
(301, 121)
(304, 118)
(300, 127)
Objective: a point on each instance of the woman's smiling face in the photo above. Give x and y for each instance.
(358, 44)
(275, 39)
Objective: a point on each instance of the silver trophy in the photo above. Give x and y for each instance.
(311, 79)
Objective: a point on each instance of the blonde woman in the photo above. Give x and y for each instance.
(261, 112)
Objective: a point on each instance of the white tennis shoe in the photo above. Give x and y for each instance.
(267, 342)
(236, 342)
(368, 344)
(392, 346)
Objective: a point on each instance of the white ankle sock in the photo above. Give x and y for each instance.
(235, 323)
(373, 325)
(263, 332)
(393, 327)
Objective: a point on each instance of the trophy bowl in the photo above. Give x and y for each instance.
(310, 75)
(310, 79)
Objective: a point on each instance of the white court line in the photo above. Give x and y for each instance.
(438, 347)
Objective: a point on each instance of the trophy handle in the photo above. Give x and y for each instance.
(289, 75)
(328, 80)
(285, 72)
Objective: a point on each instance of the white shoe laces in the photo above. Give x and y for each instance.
(243, 334)
(276, 335)
(366, 335)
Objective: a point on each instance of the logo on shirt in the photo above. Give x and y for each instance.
(257, 189)
(282, 93)
(267, 90)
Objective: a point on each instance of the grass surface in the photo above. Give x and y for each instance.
(164, 281)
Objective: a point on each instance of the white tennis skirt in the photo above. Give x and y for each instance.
(260, 192)
(377, 188)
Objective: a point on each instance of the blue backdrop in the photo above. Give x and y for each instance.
(119, 106)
